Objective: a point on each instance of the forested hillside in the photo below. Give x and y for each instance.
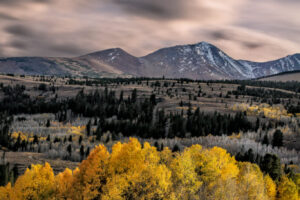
(193, 139)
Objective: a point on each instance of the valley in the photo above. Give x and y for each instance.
(235, 115)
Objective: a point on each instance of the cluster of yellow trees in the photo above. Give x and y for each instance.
(273, 112)
(24, 136)
(73, 130)
(77, 130)
(133, 171)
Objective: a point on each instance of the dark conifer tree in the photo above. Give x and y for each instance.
(271, 164)
(48, 123)
(266, 140)
(277, 139)
(88, 128)
(82, 152)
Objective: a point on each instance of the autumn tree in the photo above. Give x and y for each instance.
(219, 171)
(64, 184)
(270, 187)
(37, 183)
(91, 176)
(251, 182)
(135, 171)
(186, 181)
(6, 192)
(287, 189)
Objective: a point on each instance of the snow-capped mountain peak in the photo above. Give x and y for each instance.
(195, 61)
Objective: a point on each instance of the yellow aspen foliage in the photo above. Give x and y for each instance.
(64, 184)
(22, 136)
(6, 192)
(136, 173)
(25, 136)
(91, 177)
(217, 163)
(166, 156)
(77, 130)
(273, 112)
(37, 183)
(287, 189)
(251, 182)
(270, 187)
(186, 181)
(296, 180)
(218, 171)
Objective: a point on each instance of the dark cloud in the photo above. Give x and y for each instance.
(16, 2)
(164, 9)
(9, 2)
(41, 42)
(219, 35)
(20, 30)
(231, 36)
(7, 17)
(252, 45)
(67, 49)
(21, 45)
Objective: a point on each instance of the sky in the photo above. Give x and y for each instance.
(257, 30)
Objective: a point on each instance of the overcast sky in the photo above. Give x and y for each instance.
(257, 30)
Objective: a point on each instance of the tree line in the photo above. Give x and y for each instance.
(133, 114)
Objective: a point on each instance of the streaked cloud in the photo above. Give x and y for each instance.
(245, 29)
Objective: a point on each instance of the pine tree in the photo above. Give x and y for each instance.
(48, 123)
(88, 128)
(277, 139)
(70, 138)
(35, 139)
(176, 148)
(81, 152)
(80, 140)
(257, 124)
(134, 96)
(69, 149)
(153, 99)
(265, 140)
(271, 165)
(98, 133)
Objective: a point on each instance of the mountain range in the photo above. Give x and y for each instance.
(195, 61)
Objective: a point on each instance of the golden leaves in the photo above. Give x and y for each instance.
(77, 130)
(64, 184)
(270, 187)
(273, 112)
(186, 180)
(131, 171)
(136, 173)
(287, 189)
(251, 182)
(37, 183)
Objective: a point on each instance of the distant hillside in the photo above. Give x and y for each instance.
(283, 77)
(197, 61)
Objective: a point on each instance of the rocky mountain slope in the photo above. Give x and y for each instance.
(197, 61)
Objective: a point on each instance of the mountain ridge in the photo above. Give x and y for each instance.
(196, 61)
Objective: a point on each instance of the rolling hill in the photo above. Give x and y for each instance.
(283, 77)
